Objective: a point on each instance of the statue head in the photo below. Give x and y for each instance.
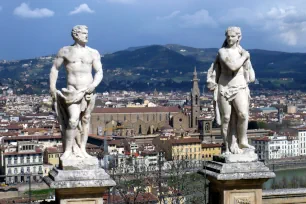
(233, 36)
(80, 33)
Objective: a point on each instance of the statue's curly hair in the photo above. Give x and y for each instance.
(76, 29)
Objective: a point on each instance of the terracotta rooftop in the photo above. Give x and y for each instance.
(32, 137)
(204, 145)
(118, 143)
(58, 149)
(262, 139)
(185, 141)
(137, 110)
(21, 153)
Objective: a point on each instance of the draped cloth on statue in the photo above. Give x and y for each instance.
(64, 99)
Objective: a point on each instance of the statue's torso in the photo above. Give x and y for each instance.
(227, 76)
(78, 63)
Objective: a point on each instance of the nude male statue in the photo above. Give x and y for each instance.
(74, 104)
(228, 77)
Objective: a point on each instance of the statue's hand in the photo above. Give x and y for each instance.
(53, 93)
(90, 88)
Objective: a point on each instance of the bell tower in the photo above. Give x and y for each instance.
(195, 100)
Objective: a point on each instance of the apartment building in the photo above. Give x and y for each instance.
(22, 163)
(277, 147)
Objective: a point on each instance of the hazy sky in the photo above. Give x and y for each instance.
(32, 28)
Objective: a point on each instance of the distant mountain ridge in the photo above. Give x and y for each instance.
(165, 67)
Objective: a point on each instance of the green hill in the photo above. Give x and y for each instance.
(166, 67)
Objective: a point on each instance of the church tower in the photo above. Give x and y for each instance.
(195, 100)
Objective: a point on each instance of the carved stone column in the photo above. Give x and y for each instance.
(236, 179)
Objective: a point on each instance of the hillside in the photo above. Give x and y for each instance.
(166, 67)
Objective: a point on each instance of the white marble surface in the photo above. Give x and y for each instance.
(228, 77)
(74, 103)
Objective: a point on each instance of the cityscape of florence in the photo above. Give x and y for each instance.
(153, 102)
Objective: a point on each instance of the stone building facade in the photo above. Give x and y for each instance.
(135, 121)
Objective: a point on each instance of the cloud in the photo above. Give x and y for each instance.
(198, 19)
(171, 15)
(26, 12)
(239, 15)
(122, 1)
(288, 23)
(83, 8)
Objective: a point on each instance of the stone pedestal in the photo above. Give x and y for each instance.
(236, 178)
(79, 183)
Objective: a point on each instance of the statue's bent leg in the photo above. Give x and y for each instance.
(225, 112)
(74, 114)
(241, 104)
(85, 124)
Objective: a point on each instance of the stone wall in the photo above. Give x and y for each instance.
(284, 196)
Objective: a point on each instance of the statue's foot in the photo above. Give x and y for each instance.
(66, 155)
(237, 150)
(227, 153)
(85, 154)
(246, 145)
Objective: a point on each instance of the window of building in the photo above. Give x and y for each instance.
(9, 171)
(15, 170)
(34, 169)
(160, 117)
(28, 169)
(196, 99)
(124, 117)
(22, 170)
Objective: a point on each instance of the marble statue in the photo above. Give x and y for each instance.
(229, 77)
(75, 103)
